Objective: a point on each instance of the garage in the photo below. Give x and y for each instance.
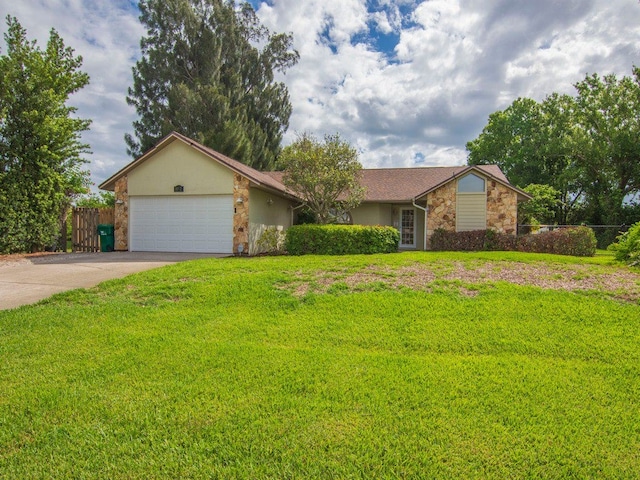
(183, 197)
(198, 223)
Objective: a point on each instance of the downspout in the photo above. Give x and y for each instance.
(425, 210)
(293, 209)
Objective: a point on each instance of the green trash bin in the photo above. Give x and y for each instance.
(107, 239)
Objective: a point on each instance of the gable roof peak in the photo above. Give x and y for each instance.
(255, 176)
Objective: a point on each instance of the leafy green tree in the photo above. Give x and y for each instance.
(533, 144)
(511, 141)
(609, 129)
(40, 147)
(202, 74)
(97, 200)
(324, 174)
(587, 147)
(542, 208)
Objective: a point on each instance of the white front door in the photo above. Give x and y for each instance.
(408, 227)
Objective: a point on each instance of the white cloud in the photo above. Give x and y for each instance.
(456, 62)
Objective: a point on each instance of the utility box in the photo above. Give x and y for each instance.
(107, 238)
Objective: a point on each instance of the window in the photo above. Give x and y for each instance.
(471, 184)
(471, 204)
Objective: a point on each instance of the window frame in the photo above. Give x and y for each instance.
(484, 184)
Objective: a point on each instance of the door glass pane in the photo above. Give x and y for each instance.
(407, 227)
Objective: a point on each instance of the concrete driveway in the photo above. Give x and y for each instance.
(30, 279)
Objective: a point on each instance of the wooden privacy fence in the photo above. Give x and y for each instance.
(84, 227)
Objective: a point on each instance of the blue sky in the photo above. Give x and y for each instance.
(407, 82)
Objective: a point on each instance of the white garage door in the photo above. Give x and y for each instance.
(181, 224)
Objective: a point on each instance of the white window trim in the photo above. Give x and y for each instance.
(458, 192)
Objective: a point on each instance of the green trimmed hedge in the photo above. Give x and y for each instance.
(577, 241)
(341, 239)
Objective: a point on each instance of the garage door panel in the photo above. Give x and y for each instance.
(181, 224)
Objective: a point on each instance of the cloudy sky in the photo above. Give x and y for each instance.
(408, 82)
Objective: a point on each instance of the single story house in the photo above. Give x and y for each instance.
(181, 196)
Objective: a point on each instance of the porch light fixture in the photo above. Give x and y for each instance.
(269, 201)
(239, 200)
(119, 201)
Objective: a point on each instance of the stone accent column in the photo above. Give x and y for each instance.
(441, 205)
(240, 215)
(121, 223)
(502, 208)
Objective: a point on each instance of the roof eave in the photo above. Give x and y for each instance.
(109, 183)
(444, 182)
(522, 195)
(270, 189)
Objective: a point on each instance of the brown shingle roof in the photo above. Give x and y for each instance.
(382, 184)
(405, 184)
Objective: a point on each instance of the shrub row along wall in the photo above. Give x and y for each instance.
(341, 239)
(578, 241)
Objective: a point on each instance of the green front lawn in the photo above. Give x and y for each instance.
(414, 365)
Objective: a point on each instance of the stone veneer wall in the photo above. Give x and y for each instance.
(502, 208)
(121, 223)
(441, 204)
(240, 214)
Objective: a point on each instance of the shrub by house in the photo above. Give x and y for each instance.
(341, 239)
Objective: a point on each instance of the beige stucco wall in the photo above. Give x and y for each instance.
(389, 214)
(267, 210)
(179, 164)
(372, 214)
(502, 208)
(420, 229)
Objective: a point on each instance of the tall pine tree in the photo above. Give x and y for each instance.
(207, 71)
(40, 148)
